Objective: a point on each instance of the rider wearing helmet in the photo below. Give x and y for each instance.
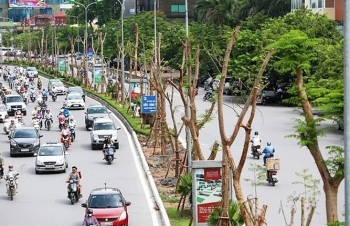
(44, 95)
(48, 116)
(256, 140)
(66, 132)
(90, 219)
(10, 173)
(269, 150)
(106, 142)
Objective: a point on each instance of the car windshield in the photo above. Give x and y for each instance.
(58, 84)
(31, 69)
(14, 99)
(104, 126)
(74, 97)
(2, 108)
(105, 201)
(98, 110)
(27, 133)
(50, 151)
(76, 89)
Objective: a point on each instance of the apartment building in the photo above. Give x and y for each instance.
(334, 9)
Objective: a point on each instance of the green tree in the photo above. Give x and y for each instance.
(218, 12)
(233, 213)
(296, 51)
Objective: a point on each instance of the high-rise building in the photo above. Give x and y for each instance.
(334, 9)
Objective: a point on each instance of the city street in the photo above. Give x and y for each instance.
(273, 123)
(42, 199)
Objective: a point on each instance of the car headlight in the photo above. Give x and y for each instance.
(23, 108)
(8, 108)
(95, 137)
(38, 162)
(90, 118)
(60, 162)
(13, 143)
(36, 143)
(122, 216)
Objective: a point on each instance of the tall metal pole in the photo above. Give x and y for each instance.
(347, 109)
(85, 49)
(123, 55)
(155, 32)
(188, 109)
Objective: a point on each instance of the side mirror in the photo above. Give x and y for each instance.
(85, 112)
(83, 205)
(127, 203)
(40, 135)
(109, 112)
(9, 136)
(118, 128)
(90, 129)
(65, 98)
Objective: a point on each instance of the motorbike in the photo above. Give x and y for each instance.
(36, 125)
(109, 151)
(61, 125)
(5, 77)
(256, 151)
(65, 141)
(43, 110)
(48, 124)
(25, 99)
(44, 98)
(72, 132)
(39, 85)
(73, 191)
(11, 186)
(6, 128)
(54, 96)
(33, 97)
(1, 171)
(208, 95)
(26, 86)
(271, 174)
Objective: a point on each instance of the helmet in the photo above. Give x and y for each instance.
(53, 87)
(47, 110)
(256, 133)
(268, 143)
(90, 211)
(10, 167)
(43, 90)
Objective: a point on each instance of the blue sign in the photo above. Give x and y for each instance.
(148, 104)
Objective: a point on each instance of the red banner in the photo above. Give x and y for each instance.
(212, 173)
(204, 210)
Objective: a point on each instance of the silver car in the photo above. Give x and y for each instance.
(75, 101)
(31, 72)
(59, 86)
(101, 128)
(51, 157)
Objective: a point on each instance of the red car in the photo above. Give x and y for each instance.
(109, 206)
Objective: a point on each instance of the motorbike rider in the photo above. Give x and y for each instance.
(256, 140)
(44, 94)
(18, 114)
(48, 116)
(10, 173)
(66, 132)
(90, 219)
(106, 142)
(53, 90)
(39, 80)
(269, 150)
(22, 89)
(72, 122)
(74, 175)
(61, 118)
(25, 95)
(35, 110)
(12, 125)
(38, 114)
(66, 111)
(35, 121)
(1, 166)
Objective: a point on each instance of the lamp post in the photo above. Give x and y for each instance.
(123, 57)
(78, 28)
(55, 34)
(85, 34)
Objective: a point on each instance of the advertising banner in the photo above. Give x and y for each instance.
(63, 64)
(27, 4)
(135, 89)
(97, 74)
(206, 193)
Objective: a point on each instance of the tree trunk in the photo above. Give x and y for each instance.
(331, 193)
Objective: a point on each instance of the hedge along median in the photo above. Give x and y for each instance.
(133, 124)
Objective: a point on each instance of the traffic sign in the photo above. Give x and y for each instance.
(148, 104)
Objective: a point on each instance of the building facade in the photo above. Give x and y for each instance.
(334, 9)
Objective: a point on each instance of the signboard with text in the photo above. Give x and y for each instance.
(97, 74)
(135, 89)
(148, 104)
(27, 4)
(206, 193)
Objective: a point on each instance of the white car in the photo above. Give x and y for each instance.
(31, 72)
(75, 101)
(52, 156)
(59, 87)
(3, 112)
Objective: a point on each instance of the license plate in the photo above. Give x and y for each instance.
(75, 105)
(50, 167)
(24, 149)
(106, 223)
(274, 176)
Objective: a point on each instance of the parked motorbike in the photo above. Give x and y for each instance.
(109, 151)
(11, 186)
(256, 151)
(32, 97)
(65, 141)
(54, 96)
(72, 132)
(73, 191)
(208, 95)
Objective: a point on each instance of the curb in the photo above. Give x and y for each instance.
(158, 201)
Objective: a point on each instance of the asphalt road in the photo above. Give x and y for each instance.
(273, 123)
(42, 199)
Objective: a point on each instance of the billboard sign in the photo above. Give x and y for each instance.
(135, 89)
(97, 74)
(63, 64)
(27, 4)
(148, 104)
(206, 193)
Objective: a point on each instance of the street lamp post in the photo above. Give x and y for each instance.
(123, 57)
(85, 34)
(78, 28)
(55, 34)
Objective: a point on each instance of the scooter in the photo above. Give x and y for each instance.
(54, 96)
(256, 151)
(48, 124)
(72, 133)
(73, 191)
(32, 97)
(36, 125)
(109, 151)
(40, 85)
(11, 186)
(271, 174)
(65, 141)
(208, 95)
(61, 125)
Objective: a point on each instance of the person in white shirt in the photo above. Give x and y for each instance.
(48, 116)
(256, 140)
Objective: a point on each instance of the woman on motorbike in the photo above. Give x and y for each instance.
(90, 219)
